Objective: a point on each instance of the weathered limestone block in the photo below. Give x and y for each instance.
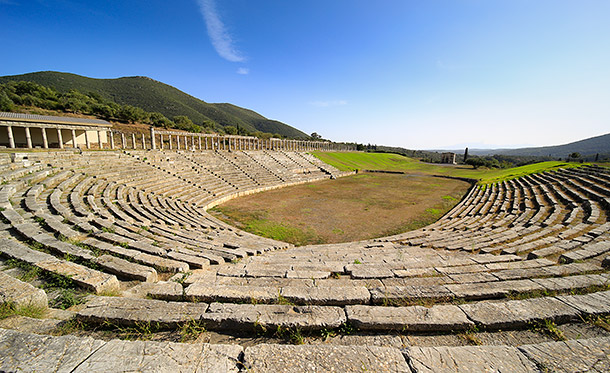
(518, 313)
(593, 304)
(127, 269)
(227, 293)
(470, 358)
(271, 316)
(330, 296)
(91, 279)
(166, 290)
(38, 353)
(580, 355)
(20, 293)
(412, 318)
(362, 271)
(150, 356)
(129, 311)
(323, 358)
(406, 294)
(496, 289)
(308, 274)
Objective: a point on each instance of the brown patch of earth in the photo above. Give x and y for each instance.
(359, 207)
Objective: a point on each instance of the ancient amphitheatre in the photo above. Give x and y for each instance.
(114, 253)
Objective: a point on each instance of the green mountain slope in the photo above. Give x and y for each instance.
(152, 95)
(590, 146)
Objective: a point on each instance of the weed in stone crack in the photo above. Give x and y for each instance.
(282, 300)
(296, 337)
(28, 310)
(346, 328)
(70, 326)
(356, 261)
(471, 336)
(549, 328)
(599, 321)
(191, 330)
(66, 299)
(182, 279)
(327, 334)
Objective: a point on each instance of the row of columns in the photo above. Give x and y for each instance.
(45, 141)
(182, 141)
(178, 141)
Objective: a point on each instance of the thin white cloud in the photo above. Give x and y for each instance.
(243, 71)
(219, 36)
(328, 103)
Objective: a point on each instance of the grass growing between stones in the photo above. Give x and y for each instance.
(358, 207)
(9, 309)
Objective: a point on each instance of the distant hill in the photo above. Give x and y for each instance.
(152, 96)
(587, 147)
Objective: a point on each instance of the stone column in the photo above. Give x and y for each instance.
(170, 141)
(143, 142)
(161, 141)
(153, 144)
(123, 141)
(186, 144)
(177, 142)
(73, 134)
(99, 140)
(199, 142)
(133, 140)
(111, 139)
(60, 138)
(28, 137)
(11, 139)
(45, 141)
(87, 140)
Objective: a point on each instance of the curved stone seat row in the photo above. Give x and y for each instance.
(132, 215)
(31, 352)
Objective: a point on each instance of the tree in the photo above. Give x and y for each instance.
(6, 104)
(183, 122)
(574, 156)
(315, 136)
(466, 155)
(230, 130)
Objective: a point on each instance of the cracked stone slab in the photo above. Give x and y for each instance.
(229, 293)
(221, 316)
(468, 359)
(498, 289)
(518, 313)
(323, 358)
(398, 294)
(331, 296)
(412, 318)
(594, 303)
(38, 353)
(129, 311)
(150, 356)
(580, 355)
(20, 293)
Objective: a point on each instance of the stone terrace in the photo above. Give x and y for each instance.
(517, 268)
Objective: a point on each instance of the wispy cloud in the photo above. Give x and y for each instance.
(243, 71)
(328, 103)
(220, 37)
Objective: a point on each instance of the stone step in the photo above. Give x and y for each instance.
(90, 279)
(20, 293)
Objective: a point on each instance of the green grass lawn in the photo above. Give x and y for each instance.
(350, 161)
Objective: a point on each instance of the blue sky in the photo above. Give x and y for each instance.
(418, 74)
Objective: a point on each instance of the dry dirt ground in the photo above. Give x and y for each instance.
(363, 206)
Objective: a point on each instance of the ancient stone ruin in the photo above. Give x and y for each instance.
(469, 292)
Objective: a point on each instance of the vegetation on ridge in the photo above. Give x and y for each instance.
(151, 96)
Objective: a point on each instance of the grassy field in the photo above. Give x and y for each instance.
(353, 208)
(394, 162)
